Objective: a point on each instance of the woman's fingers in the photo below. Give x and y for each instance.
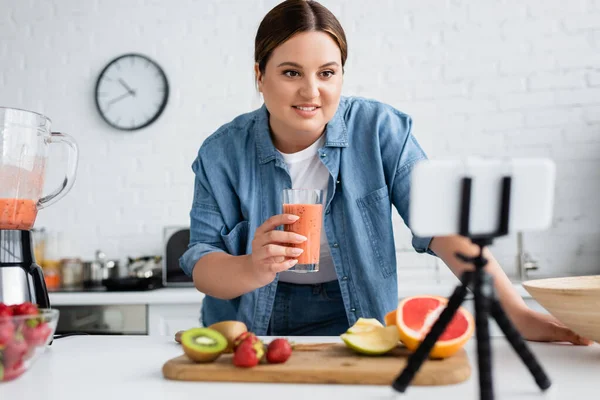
(563, 334)
(281, 237)
(282, 266)
(274, 250)
(275, 221)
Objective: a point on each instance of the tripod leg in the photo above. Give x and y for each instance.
(518, 343)
(416, 359)
(481, 291)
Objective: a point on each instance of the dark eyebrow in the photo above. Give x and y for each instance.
(296, 65)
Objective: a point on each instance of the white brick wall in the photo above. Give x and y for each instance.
(488, 77)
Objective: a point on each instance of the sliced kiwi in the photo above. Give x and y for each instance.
(203, 344)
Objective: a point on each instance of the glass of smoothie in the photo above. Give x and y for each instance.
(308, 205)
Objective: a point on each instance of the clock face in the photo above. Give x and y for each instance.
(131, 92)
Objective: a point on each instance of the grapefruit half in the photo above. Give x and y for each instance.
(416, 314)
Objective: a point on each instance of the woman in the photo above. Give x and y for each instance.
(359, 151)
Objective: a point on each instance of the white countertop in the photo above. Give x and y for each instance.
(180, 295)
(189, 295)
(129, 367)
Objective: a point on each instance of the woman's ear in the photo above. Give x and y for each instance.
(258, 77)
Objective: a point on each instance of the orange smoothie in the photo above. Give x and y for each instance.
(309, 225)
(17, 214)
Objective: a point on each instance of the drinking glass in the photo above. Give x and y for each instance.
(308, 205)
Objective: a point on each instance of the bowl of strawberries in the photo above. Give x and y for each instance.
(25, 331)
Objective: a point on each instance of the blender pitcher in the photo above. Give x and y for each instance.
(24, 140)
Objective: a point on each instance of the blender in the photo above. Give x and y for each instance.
(25, 137)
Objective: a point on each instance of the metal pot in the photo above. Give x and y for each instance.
(93, 273)
(111, 269)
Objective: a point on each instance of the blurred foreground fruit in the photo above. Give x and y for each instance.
(248, 353)
(231, 330)
(364, 325)
(245, 337)
(203, 344)
(24, 329)
(278, 351)
(390, 318)
(376, 341)
(416, 314)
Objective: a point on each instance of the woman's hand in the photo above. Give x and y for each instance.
(269, 253)
(539, 327)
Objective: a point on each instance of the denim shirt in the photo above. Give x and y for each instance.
(239, 178)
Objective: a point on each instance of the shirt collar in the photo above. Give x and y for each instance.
(336, 134)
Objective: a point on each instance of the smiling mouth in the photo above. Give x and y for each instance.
(306, 108)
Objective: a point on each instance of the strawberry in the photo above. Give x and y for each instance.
(37, 335)
(7, 331)
(248, 354)
(13, 353)
(278, 351)
(25, 309)
(244, 337)
(8, 374)
(5, 311)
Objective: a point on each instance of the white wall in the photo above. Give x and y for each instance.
(488, 77)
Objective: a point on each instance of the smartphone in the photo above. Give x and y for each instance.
(436, 192)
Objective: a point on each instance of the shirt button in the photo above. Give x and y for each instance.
(344, 278)
(353, 309)
(327, 211)
(323, 155)
(336, 245)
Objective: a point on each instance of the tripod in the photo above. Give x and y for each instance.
(485, 303)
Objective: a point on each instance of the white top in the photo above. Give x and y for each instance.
(129, 367)
(307, 171)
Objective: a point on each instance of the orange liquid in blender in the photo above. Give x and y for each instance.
(17, 214)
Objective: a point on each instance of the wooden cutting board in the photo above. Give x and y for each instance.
(324, 363)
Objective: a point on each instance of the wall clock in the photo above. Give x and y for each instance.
(131, 92)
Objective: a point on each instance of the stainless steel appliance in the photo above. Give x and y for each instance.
(21, 279)
(24, 140)
(112, 319)
(175, 242)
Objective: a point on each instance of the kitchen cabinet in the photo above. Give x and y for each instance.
(167, 319)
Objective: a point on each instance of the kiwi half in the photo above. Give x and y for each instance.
(203, 344)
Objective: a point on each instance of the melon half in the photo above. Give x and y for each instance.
(416, 314)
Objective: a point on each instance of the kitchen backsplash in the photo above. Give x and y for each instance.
(497, 78)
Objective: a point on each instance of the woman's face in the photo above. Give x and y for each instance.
(301, 87)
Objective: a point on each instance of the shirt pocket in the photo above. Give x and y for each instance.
(376, 211)
(236, 239)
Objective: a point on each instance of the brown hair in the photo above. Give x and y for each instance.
(291, 17)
